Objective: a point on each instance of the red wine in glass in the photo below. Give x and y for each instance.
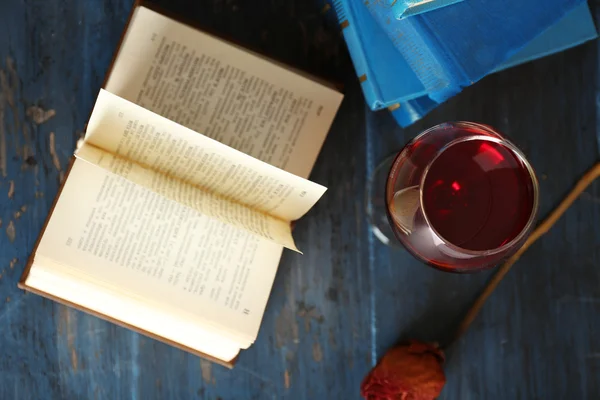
(461, 197)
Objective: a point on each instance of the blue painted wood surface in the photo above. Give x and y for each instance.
(336, 309)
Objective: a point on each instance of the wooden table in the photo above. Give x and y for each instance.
(336, 309)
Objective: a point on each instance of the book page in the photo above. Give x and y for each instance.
(127, 237)
(127, 130)
(223, 91)
(195, 170)
(206, 203)
(151, 318)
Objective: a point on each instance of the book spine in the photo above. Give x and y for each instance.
(345, 18)
(435, 67)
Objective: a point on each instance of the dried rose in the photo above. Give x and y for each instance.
(411, 371)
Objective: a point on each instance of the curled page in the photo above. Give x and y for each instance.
(195, 170)
(206, 203)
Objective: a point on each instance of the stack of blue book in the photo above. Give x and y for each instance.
(410, 56)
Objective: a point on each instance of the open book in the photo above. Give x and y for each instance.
(174, 233)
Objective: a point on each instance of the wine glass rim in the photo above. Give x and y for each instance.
(517, 152)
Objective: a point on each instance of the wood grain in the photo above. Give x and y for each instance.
(336, 309)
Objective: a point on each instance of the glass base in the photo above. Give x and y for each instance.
(375, 204)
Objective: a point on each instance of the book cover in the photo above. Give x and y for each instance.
(454, 47)
(575, 28)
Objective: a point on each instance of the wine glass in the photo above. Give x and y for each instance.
(459, 196)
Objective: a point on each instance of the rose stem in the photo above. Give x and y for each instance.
(544, 227)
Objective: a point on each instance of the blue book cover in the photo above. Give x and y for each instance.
(386, 78)
(388, 81)
(574, 29)
(452, 47)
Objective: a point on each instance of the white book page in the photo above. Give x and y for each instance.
(155, 318)
(173, 160)
(206, 203)
(127, 237)
(223, 91)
